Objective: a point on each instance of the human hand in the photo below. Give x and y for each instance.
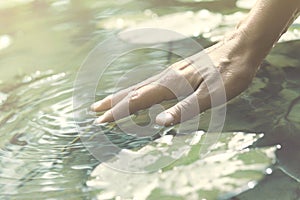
(235, 61)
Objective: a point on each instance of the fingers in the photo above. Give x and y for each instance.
(111, 100)
(186, 109)
(181, 79)
(108, 101)
(139, 99)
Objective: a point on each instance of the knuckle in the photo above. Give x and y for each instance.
(133, 95)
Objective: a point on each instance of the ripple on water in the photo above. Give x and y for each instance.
(36, 126)
(40, 148)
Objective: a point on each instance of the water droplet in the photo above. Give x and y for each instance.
(269, 171)
(5, 41)
(196, 33)
(251, 184)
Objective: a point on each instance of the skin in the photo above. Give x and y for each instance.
(237, 58)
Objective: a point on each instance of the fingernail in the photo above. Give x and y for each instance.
(99, 120)
(95, 105)
(165, 118)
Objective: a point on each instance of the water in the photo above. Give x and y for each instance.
(42, 45)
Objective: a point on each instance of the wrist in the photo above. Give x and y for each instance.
(266, 22)
(248, 47)
(259, 44)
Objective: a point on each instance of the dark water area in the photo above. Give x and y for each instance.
(44, 148)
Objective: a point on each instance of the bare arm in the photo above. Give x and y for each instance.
(267, 21)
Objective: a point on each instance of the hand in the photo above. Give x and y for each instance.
(236, 62)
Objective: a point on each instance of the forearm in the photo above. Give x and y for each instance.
(266, 22)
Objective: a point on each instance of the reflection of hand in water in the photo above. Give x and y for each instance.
(236, 58)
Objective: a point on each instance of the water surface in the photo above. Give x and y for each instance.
(42, 45)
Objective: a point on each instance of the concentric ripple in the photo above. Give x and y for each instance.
(41, 152)
(38, 157)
